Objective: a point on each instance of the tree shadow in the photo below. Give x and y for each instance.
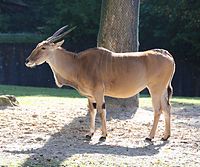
(186, 110)
(70, 140)
(121, 115)
(187, 114)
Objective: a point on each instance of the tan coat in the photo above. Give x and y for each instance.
(98, 72)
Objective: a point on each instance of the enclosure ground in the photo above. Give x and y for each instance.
(51, 132)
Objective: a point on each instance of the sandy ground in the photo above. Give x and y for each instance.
(53, 134)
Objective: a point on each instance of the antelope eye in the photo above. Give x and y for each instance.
(43, 48)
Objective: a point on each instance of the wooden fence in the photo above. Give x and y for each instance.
(13, 70)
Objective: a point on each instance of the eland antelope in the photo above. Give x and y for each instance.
(98, 72)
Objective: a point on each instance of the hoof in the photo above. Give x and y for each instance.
(148, 139)
(102, 139)
(88, 137)
(165, 139)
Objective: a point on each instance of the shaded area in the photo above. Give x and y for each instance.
(70, 141)
(187, 115)
(12, 5)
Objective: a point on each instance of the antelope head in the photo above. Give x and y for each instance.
(45, 49)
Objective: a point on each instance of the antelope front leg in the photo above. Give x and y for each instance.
(92, 112)
(103, 121)
(99, 97)
(102, 112)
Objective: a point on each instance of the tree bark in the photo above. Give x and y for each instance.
(119, 33)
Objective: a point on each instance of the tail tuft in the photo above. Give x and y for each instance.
(169, 92)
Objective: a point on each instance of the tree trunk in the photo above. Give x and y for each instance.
(119, 33)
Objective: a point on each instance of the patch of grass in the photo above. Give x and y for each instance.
(25, 92)
(19, 91)
(186, 100)
(145, 100)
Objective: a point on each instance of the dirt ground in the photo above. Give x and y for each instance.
(53, 134)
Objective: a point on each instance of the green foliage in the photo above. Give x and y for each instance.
(45, 17)
(174, 25)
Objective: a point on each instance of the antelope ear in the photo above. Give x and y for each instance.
(58, 44)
